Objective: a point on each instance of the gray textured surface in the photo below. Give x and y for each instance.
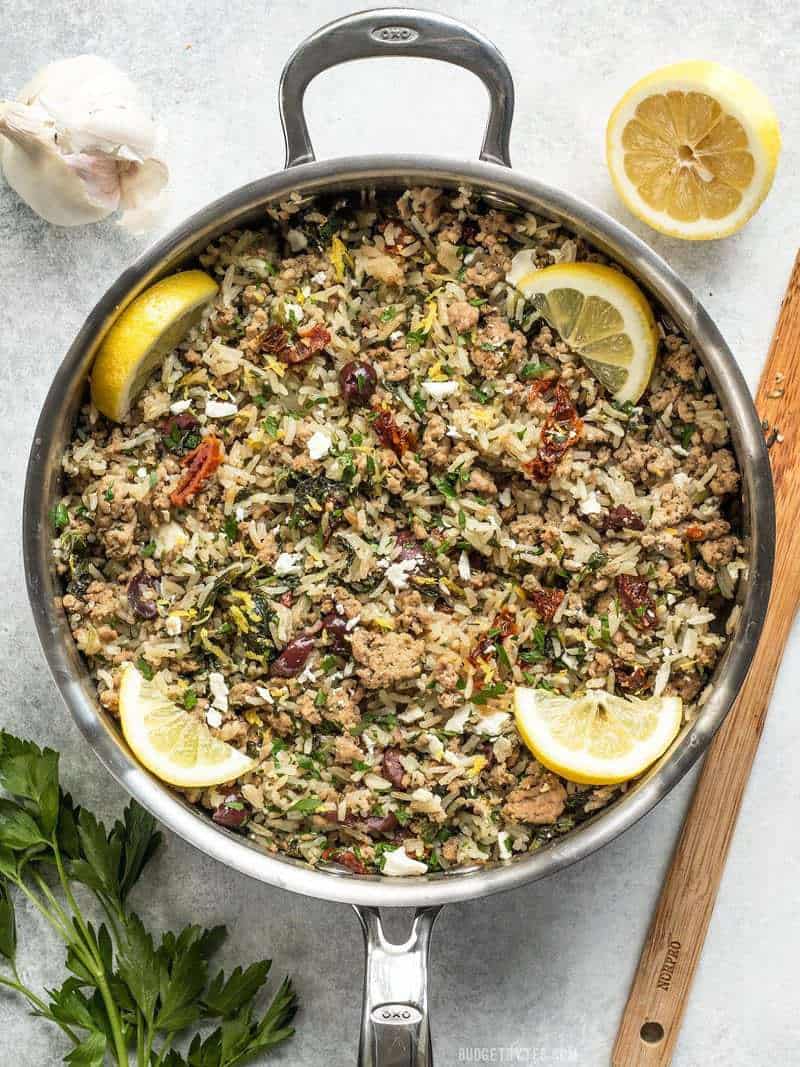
(545, 969)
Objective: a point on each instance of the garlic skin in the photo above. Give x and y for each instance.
(79, 143)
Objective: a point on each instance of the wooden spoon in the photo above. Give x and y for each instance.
(652, 1017)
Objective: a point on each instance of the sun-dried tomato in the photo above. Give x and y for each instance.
(346, 859)
(310, 340)
(275, 341)
(391, 435)
(621, 518)
(547, 602)
(199, 465)
(561, 430)
(634, 595)
(540, 387)
(396, 236)
(629, 680)
(694, 533)
(503, 625)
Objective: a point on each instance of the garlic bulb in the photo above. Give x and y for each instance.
(79, 143)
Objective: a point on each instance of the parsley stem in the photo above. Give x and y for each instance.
(95, 964)
(37, 1003)
(46, 892)
(63, 933)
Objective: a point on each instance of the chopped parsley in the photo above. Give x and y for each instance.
(534, 370)
(308, 805)
(271, 424)
(144, 668)
(60, 517)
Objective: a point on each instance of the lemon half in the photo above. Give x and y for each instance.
(601, 314)
(597, 738)
(174, 745)
(692, 149)
(148, 328)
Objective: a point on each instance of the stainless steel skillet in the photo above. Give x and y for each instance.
(395, 1026)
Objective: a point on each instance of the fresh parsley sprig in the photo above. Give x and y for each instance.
(128, 999)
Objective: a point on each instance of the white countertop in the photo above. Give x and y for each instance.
(547, 968)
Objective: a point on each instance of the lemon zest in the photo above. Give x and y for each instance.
(339, 257)
(477, 766)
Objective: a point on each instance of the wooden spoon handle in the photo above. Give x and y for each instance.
(658, 996)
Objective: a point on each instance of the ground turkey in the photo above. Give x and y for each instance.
(386, 658)
(462, 316)
(539, 799)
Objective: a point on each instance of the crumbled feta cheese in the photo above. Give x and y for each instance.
(352, 623)
(320, 277)
(452, 433)
(239, 513)
(294, 313)
(395, 336)
(435, 746)
(219, 690)
(297, 240)
(503, 847)
(440, 390)
(180, 406)
(397, 864)
(464, 569)
(591, 505)
(220, 409)
(308, 675)
(287, 563)
(492, 724)
(214, 718)
(458, 720)
(411, 715)
(265, 694)
(397, 573)
(457, 760)
(141, 472)
(173, 625)
(170, 537)
(505, 498)
(319, 444)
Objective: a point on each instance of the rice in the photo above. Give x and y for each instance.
(375, 563)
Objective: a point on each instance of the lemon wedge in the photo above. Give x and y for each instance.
(692, 150)
(601, 314)
(148, 328)
(597, 738)
(170, 742)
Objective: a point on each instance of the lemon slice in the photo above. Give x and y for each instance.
(601, 314)
(148, 328)
(597, 738)
(692, 150)
(170, 742)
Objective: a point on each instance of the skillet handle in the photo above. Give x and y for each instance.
(396, 32)
(395, 1031)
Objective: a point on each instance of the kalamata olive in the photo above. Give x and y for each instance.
(393, 770)
(382, 824)
(408, 547)
(179, 431)
(293, 658)
(335, 626)
(231, 812)
(142, 592)
(358, 382)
